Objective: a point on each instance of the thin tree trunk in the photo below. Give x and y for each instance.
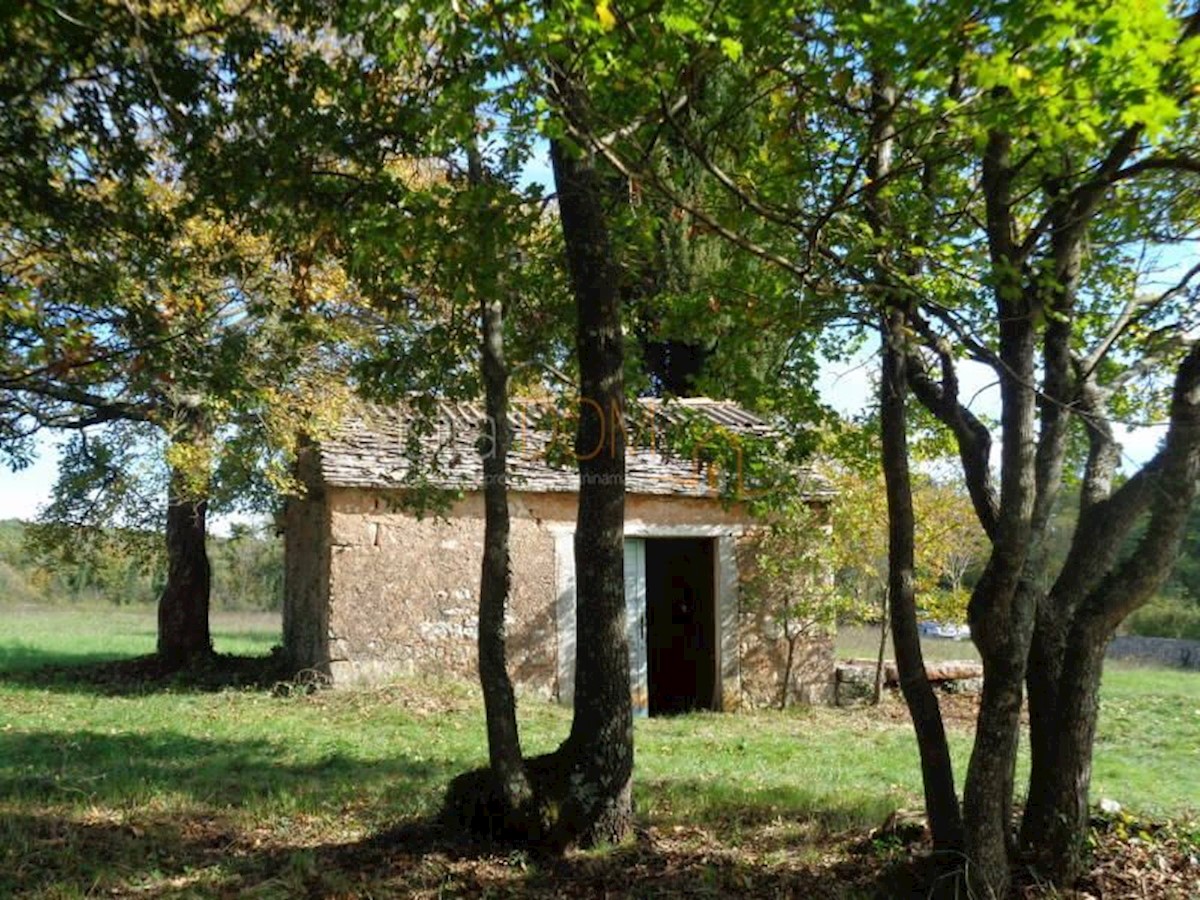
(183, 629)
(500, 705)
(499, 702)
(937, 770)
(884, 619)
(598, 753)
(789, 663)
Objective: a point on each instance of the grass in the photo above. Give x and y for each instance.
(1148, 746)
(275, 794)
(32, 636)
(863, 643)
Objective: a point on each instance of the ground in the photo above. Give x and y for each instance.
(112, 786)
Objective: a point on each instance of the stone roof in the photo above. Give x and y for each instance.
(375, 445)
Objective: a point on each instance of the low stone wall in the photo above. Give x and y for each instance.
(856, 678)
(1162, 651)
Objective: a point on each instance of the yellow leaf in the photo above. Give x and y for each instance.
(605, 14)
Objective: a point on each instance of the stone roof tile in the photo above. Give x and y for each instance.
(375, 446)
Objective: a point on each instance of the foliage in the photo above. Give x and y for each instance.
(1185, 579)
(950, 546)
(163, 330)
(793, 570)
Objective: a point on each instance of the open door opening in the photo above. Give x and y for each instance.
(681, 625)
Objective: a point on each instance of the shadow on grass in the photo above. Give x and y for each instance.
(114, 786)
(207, 857)
(114, 769)
(117, 675)
(772, 814)
(84, 816)
(19, 660)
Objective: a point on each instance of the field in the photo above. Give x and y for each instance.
(172, 792)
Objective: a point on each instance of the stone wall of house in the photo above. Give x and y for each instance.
(782, 661)
(306, 576)
(765, 662)
(404, 593)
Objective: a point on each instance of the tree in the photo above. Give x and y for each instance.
(507, 764)
(187, 367)
(436, 168)
(132, 306)
(979, 182)
(598, 752)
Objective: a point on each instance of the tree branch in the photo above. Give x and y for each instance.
(972, 436)
(1175, 488)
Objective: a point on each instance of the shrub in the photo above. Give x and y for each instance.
(1171, 617)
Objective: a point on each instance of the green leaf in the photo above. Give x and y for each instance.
(679, 23)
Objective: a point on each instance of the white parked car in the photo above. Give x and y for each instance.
(948, 630)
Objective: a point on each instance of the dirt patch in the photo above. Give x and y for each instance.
(958, 710)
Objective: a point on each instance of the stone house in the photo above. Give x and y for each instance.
(374, 589)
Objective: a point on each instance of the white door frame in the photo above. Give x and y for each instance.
(725, 582)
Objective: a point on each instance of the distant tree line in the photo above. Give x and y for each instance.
(127, 567)
(1175, 612)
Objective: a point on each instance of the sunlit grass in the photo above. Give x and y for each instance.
(33, 636)
(105, 793)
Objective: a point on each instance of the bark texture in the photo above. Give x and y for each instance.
(597, 757)
(1088, 602)
(183, 629)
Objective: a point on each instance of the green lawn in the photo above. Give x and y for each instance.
(180, 793)
(863, 643)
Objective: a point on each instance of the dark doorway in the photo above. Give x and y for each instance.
(681, 625)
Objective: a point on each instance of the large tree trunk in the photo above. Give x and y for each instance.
(1042, 678)
(991, 773)
(1100, 530)
(1001, 613)
(597, 756)
(1058, 789)
(183, 632)
(937, 771)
